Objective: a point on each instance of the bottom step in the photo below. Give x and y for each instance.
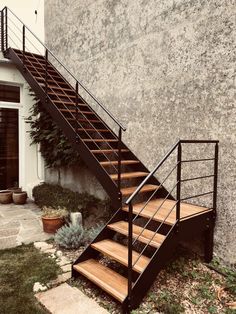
(104, 277)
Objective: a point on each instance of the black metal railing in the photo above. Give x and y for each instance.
(175, 216)
(15, 34)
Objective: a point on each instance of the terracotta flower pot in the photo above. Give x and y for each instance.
(5, 197)
(14, 189)
(19, 198)
(51, 225)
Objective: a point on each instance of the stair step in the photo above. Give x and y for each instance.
(85, 120)
(119, 253)
(79, 111)
(94, 130)
(150, 210)
(100, 140)
(101, 151)
(165, 207)
(145, 188)
(129, 175)
(147, 235)
(104, 277)
(64, 95)
(123, 162)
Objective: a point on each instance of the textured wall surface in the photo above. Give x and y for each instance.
(166, 68)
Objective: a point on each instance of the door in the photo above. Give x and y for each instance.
(9, 148)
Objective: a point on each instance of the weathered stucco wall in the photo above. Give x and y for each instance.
(166, 68)
(78, 179)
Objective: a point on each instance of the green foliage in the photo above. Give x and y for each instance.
(23, 266)
(55, 196)
(91, 233)
(169, 303)
(70, 237)
(229, 273)
(74, 236)
(54, 146)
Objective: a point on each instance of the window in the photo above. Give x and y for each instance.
(9, 93)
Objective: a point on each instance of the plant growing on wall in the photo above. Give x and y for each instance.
(54, 146)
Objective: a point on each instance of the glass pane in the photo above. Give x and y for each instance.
(9, 157)
(9, 93)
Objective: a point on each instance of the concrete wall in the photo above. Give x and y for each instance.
(78, 179)
(31, 168)
(166, 68)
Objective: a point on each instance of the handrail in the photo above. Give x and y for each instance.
(69, 72)
(163, 160)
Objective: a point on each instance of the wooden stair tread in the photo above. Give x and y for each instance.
(145, 188)
(123, 162)
(85, 120)
(165, 207)
(119, 253)
(74, 111)
(147, 235)
(129, 175)
(99, 140)
(99, 151)
(93, 130)
(104, 277)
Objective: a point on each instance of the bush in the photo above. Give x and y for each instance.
(90, 234)
(70, 237)
(55, 196)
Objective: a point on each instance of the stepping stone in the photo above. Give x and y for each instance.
(65, 299)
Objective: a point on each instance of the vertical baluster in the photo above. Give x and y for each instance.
(6, 28)
(130, 251)
(119, 166)
(215, 176)
(77, 109)
(178, 193)
(46, 75)
(23, 43)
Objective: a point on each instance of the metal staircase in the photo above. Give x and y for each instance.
(150, 220)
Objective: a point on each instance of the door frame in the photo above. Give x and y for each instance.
(21, 130)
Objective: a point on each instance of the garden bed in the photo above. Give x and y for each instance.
(186, 285)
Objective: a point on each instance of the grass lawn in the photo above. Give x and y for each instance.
(20, 268)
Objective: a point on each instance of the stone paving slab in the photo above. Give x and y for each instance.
(20, 224)
(65, 299)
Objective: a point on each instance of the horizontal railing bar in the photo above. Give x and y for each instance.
(69, 72)
(197, 178)
(196, 160)
(151, 174)
(199, 141)
(187, 198)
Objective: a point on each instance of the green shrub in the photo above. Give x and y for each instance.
(90, 234)
(70, 237)
(55, 196)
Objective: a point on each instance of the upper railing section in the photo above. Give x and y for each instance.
(15, 34)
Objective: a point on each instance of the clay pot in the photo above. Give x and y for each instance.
(51, 225)
(5, 197)
(19, 198)
(14, 189)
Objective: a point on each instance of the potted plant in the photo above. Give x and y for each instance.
(5, 197)
(19, 197)
(53, 218)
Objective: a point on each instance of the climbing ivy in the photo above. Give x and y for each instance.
(54, 146)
